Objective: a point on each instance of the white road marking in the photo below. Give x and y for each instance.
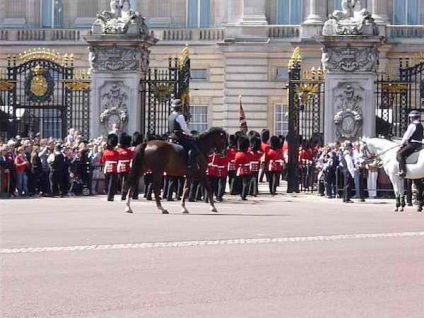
(207, 243)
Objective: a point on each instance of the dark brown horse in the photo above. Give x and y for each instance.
(160, 156)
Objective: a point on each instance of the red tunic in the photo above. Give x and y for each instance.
(221, 164)
(242, 161)
(109, 161)
(255, 160)
(231, 156)
(212, 170)
(125, 158)
(275, 160)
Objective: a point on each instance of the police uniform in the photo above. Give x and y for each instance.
(411, 141)
(180, 132)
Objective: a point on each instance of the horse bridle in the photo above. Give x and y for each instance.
(369, 157)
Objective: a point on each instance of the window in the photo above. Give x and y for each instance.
(52, 13)
(198, 13)
(15, 9)
(281, 120)
(281, 74)
(406, 12)
(289, 12)
(199, 74)
(337, 4)
(199, 118)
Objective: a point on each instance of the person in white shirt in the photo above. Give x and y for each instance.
(411, 141)
(349, 170)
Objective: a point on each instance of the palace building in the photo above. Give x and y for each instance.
(237, 47)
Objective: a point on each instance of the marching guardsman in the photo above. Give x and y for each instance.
(411, 141)
(125, 160)
(265, 134)
(242, 161)
(109, 161)
(274, 158)
(256, 155)
(220, 161)
(232, 150)
(212, 174)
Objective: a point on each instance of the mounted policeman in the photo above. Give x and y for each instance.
(180, 132)
(411, 141)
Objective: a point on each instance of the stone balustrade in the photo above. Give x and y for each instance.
(283, 31)
(405, 32)
(210, 34)
(41, 35)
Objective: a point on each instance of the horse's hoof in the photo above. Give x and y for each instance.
(184, 211)
(214, 209)
(396, 210)
(129, 210)
(420, 209)
(165, 212)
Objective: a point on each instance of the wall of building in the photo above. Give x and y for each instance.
(239, 59)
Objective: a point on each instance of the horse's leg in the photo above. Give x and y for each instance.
(397, 194)
(209, 192)
(184, 197)
(419, 186)
(130, 185)
(401, 189)
(157, 178)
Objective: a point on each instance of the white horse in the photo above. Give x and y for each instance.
(386, 151)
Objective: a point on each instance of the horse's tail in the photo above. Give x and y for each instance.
(138, 167)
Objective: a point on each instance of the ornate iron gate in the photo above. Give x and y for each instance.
(306, 120)
(41, 92)
(398, 94)
(159, 88)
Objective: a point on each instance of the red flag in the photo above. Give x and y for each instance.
(242, 117)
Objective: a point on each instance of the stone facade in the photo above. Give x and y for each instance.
(244, 51)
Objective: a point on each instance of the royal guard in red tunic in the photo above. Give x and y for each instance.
(220, 161)
(242, 160)
(265, 134)
(124, 162)
(274, 157)
(231, 153)
(109, 162)
(212, 173)
(255, 162)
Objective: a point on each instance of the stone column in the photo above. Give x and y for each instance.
(313, 16)
(119, 59)
(254, 12)
(379, 11)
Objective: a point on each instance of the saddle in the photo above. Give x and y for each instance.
(413, 158)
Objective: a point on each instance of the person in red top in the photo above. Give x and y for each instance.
(242, 161)
(232, 150)
(274, 157)
(264, 148)
(125, 159)
(220, 161)
(212, 173)
(255, 162)
(21, 164)
(109, 161)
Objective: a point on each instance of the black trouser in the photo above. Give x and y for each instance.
(347, 185)
(112, 184)
(189, 145)
(44, 182)
(222, 182)
(245, 181)
(331, 184)
(253, 186)
(57, 182)
(403, 153)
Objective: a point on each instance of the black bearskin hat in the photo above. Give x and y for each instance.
(125, 140)
(274, 142)
(255, 143)
(112, 141)
(265, 135)
(253, 133)
(232, 141)
(137, 139)
(243, 143)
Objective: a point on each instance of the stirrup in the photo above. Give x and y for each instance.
(401, 174)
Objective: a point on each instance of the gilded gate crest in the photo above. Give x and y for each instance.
(39, 85)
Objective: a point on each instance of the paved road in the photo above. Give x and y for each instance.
(285, 256)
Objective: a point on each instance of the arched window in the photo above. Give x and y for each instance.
(289, 12)
(52, 13)
(406, 12)
(198, 13)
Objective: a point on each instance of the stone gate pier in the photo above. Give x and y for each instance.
(350, 55)
(119, 59)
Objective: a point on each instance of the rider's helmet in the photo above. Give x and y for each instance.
(414, 115)
(176, 105)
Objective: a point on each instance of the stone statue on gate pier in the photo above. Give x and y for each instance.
(121, 19)
(351, 20)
